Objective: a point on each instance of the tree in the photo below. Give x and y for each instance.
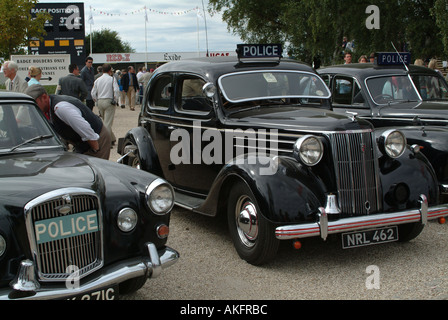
(440, 12)
(107, 41)
(315, 28)
(17, 25)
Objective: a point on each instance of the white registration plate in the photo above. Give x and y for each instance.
(110, 293)
(369, 237)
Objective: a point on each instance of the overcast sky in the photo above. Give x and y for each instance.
(172, 24)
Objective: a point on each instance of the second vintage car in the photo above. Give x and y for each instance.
(73, 226)
(393, 93)
(255, 139)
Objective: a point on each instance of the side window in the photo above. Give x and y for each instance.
(191, 97)
(160, 93)
(347, 91)
(343, 90)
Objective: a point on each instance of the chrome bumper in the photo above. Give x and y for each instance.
(150, 266)
(323, 227)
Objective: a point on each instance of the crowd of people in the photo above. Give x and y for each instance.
(70, 109)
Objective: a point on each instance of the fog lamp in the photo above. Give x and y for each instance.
(127, 219)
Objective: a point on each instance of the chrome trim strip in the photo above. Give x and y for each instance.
(117, 273)
(361, 223)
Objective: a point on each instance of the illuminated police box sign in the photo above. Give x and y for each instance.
(65, 31)
(247, 51)
(392, 58)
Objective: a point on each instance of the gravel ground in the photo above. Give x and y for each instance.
(210, 269)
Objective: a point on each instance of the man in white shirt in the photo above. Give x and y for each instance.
(13, 82)
(106, 92)
(74, 122)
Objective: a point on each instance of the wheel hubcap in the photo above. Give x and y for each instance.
(246, 221)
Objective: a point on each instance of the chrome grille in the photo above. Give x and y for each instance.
(356, 173)
(81, 251)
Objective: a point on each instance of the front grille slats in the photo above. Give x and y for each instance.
(356, 173)
(82, 251)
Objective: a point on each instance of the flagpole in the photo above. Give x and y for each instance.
(197, 28)
(206, 32)
(146, 40)
(91, 34)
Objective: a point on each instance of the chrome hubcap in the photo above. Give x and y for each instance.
(246, 221)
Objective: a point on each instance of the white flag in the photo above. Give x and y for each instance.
(91, 17)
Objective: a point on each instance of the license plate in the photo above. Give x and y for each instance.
(110, 293)
(369, 237)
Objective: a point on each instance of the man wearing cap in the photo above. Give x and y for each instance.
(74, 122)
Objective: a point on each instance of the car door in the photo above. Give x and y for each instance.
(156, 118)
(193, 129)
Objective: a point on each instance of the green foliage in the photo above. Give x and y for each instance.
(16, 25)
(315, 28)
(106, 41)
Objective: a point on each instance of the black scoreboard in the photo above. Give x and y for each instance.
(65, 32)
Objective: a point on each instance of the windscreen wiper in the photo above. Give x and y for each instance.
(38, 138)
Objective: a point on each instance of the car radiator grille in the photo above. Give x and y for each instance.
(356, 172)
(82, 253)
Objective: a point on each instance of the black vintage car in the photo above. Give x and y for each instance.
(72, 226)
(411, 98)
(256, 140)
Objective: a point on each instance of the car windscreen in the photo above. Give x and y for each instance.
(22, 126)
(391, 89)
(431, 87)
(262, 85)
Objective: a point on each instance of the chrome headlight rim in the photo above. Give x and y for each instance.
(389, 143)
(127, 219)
(2, 245)
(300, 152)
(157, 186)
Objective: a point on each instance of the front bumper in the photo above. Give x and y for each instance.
(324, 227)
(150, 266)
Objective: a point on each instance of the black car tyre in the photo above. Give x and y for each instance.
(407, 232)
(253, 235)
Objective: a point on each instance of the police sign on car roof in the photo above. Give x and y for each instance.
(259, 50)
(392, 58)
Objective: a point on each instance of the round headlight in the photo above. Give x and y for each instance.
(394, 143)
(309, 150)
(127, 219)
(160, 197)
(2, 245)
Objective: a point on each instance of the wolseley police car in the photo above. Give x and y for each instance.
(393, 93)
(72, 226)
(255, 140)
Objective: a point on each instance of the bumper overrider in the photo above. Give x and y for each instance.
(324, 227)
(25, 285)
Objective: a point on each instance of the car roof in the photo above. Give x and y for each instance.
(14, 96)
(213, 68)
(370, 69)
